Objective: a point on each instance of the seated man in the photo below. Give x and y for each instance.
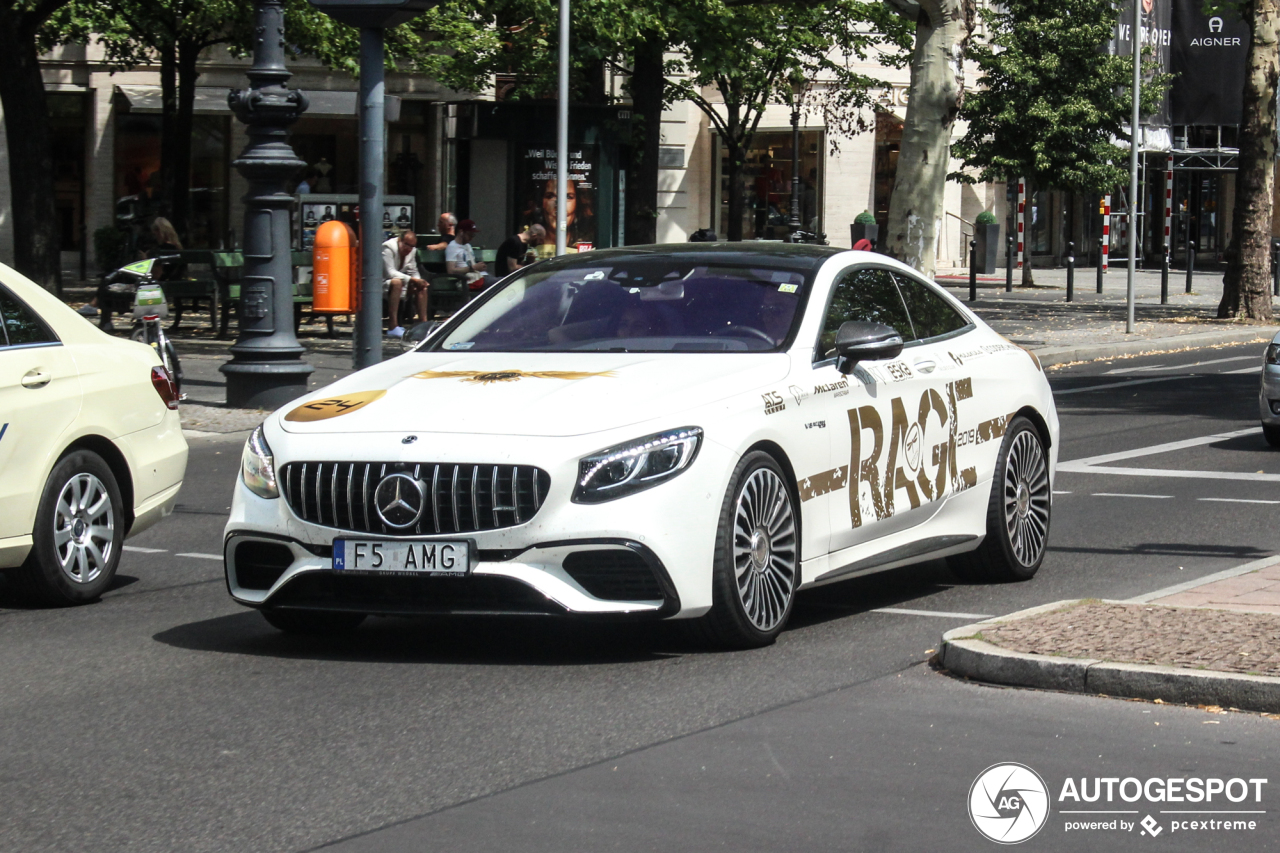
(446, 224)
(460, 258)
(517, 250)
(400, 269)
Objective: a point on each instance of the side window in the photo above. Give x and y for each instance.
(21, 326)
(863, 294)
(930, 313)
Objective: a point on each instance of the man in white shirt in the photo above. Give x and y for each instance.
(460, 258)
(400, 269)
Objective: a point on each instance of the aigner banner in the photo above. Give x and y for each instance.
(1209, 54)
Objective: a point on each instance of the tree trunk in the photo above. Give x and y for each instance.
(36, 241)
(1246, 288)
(647, 84)
(163, 204)
(188, 74)
(1028, 279)
(937, 91)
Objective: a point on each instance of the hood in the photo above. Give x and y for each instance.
(533, 394)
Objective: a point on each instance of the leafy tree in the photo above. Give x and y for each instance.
(1050, 99)
(1246, 286)
(26, 120)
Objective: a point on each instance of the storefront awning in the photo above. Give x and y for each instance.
(212, 100)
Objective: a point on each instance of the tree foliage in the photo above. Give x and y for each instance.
(1050, 101)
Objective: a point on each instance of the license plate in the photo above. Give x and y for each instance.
(399, 557)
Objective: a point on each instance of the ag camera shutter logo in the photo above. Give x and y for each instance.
(1008, 803)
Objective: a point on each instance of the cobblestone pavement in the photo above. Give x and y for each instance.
(1150, 634)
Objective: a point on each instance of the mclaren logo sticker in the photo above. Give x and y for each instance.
(482, 377)
(332, 407)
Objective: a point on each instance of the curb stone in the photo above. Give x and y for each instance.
(963, 653)
(1091, 352)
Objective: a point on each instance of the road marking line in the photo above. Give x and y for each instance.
(1127, 384)
(1168, 472)
(1244, 569)
(1124, 495)
(1078, 465)
(1257, 369)
(1180, 366)
(904, 611)
(1236, 501)
(1056, 492)
(217, 557)
(135, 549)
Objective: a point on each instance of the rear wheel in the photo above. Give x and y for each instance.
(1018, 513)
(78, 534)
(313, 622)
(1271, 434)
(757, 557)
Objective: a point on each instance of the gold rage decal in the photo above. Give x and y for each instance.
(489, 377)
(332, 407)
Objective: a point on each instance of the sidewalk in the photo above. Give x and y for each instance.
(1213, 642)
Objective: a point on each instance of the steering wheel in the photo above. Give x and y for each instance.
(737, 331)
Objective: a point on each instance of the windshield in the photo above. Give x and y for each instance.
(646, 305)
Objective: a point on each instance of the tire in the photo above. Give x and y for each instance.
(1271, 434)
(139, 334)
(1018, 513)
(757, 557)
(171, 355)
(313, 622)
(78, 535)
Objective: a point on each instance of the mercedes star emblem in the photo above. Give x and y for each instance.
(399, 500)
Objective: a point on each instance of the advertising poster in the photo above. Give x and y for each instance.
(1156, 33)
(397, 217)
(537, 198)
(1209, 56)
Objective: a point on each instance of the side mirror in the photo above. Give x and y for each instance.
(419, 333)
(860, 341)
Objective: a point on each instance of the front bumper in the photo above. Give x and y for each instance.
(1269, 395)
(644, 555)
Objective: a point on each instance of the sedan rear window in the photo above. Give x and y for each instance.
(21, 326)
(645, 306)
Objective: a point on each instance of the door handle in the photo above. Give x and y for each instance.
(36, 378)
(925, 366)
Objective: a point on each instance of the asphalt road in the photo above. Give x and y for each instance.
(167, 718)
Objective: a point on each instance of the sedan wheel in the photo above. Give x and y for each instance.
(1018, 513)
(757, 557)
(78, 534)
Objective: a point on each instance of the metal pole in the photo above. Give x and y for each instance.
(1275, 268)
(973, 270)
(1134, 132)
(1164, 276)
(1100, 261)
(562, 134)
(266, 369)
(794, 224)
(368, 344)
(1008, 264)
(1191, 262)
(1071, 272)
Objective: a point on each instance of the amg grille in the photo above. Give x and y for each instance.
(459, 498)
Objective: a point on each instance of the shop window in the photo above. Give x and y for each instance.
(888, 144)
(67, 137)
(767, 185)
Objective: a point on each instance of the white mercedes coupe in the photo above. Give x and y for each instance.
(676, 432)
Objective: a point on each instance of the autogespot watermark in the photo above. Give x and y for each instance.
(1009, 803)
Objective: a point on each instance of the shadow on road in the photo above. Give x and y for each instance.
(1173, 549)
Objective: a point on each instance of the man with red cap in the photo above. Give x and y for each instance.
(460, 258)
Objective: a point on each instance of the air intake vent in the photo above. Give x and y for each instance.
(454, 498)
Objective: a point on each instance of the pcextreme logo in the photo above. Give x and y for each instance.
(1008, 803)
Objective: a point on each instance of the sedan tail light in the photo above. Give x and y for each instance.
(164, 385)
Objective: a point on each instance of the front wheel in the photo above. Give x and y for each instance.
(757, 558)
(80, 526)
(1018, 513)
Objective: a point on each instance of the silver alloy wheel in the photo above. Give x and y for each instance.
(84, 526)
(1026, 498)
(764, 549)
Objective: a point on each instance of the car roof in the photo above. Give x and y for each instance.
(799, 257)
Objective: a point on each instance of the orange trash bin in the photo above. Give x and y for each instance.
(335, 273)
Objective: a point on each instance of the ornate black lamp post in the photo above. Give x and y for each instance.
(267, 370)
(798, 86)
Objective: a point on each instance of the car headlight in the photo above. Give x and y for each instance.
(1273, 354)
(625, 469)
(257, 467)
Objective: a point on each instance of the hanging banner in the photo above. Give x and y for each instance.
(538, 199)
(1210, 56)
(1156, 34)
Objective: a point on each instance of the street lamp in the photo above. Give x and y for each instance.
(798, 85)
(266, 370)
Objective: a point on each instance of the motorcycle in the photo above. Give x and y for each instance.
(136, 282)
